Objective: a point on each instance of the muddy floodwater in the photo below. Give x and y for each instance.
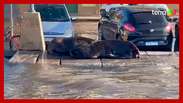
(147, 77)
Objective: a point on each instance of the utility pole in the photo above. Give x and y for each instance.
(32, 8)
(11, 19)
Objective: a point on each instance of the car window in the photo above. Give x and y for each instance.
(148, 18)
(52, 12)
(126, 17)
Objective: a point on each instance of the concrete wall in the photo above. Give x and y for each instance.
(18, 10)
(32, 37)
(88, 9)
(29, 26)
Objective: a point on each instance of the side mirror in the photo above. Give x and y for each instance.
(73, 18)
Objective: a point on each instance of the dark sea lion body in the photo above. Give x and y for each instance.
(63, 46)
(85, 48)
(60, 46)
(107, 49)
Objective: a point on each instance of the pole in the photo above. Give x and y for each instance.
(11, 18)
(32, 8)
(174, 39)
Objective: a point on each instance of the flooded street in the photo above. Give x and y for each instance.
(147, 77)
(151, 76)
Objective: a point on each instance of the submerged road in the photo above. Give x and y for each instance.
(151, 76)
(148, 77)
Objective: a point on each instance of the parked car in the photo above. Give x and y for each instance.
(135, 24)
(56, 21)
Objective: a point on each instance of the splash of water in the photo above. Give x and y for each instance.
(43, 57)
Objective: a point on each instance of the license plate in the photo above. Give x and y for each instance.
(152, 43)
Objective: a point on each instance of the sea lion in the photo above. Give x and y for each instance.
(62, 46)
(106, 49)
(85, 48)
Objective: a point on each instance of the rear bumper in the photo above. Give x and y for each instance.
(150, 40)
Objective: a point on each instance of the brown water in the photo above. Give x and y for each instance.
(147, 77)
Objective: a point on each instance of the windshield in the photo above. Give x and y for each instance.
(148, 18)
(52, 12)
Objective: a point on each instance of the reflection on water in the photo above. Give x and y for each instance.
(137, 78)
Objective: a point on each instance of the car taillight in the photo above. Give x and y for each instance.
(168, 28)
(129, 27)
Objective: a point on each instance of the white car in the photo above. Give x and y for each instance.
(56, 21)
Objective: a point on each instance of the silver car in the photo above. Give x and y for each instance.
(56, 21)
